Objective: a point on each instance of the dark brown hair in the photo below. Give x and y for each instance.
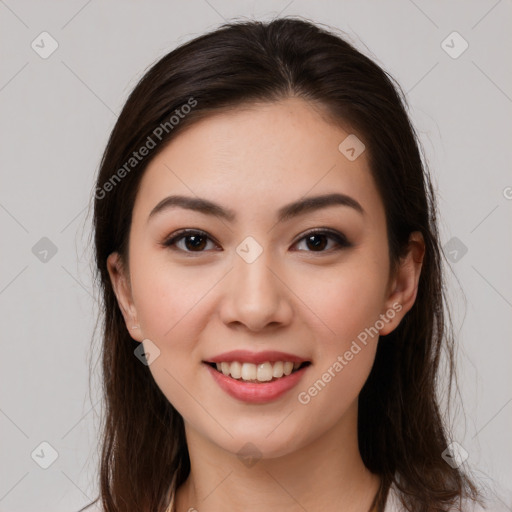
(401, 429)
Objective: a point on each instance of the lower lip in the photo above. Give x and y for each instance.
(256, 393)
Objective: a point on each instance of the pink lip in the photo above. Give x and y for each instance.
(245, 356)
(256, 393)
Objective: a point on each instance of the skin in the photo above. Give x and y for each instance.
(293, 298)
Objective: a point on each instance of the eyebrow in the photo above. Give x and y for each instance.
(286, 212)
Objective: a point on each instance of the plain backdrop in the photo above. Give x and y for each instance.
(57, 110)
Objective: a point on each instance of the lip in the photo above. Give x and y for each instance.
(256, 393)
(246, 356)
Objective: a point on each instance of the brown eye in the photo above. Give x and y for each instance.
(195, 242)
(317, 241)
(190, 240)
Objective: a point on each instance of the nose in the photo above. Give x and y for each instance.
(256, 296)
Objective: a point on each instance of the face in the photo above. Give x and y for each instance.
(258, 276)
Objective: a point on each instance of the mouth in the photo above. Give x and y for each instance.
(265, 372)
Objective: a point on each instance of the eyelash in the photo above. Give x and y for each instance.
(339, 238)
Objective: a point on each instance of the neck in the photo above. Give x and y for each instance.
(325, 475)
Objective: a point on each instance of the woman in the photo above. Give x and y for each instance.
(269, 260)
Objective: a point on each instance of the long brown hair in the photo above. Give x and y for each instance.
(401, 429)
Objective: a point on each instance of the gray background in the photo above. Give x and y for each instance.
(57, 113)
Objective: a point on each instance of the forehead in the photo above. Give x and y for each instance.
(269, 151)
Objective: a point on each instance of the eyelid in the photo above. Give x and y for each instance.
(171, 240)
(339, 237)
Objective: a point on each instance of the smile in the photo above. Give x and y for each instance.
(254, 373)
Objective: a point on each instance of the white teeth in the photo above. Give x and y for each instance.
(249, 371)
(263, 372)
(287, 368)
(235, 369)
(278, 369)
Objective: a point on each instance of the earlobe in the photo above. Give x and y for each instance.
(122, 290)
(404, 285)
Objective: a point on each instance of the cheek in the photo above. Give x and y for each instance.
(346, 343)
(348, 303)
(166, 295)
(168, 305)
(347, 300)
(332, 390)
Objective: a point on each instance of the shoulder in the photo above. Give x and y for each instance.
(490, 503)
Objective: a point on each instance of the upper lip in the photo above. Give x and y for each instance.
(246, 356)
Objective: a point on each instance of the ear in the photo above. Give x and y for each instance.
(122, 289)
(403, 286)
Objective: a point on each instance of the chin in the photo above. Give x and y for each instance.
(259, 442)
